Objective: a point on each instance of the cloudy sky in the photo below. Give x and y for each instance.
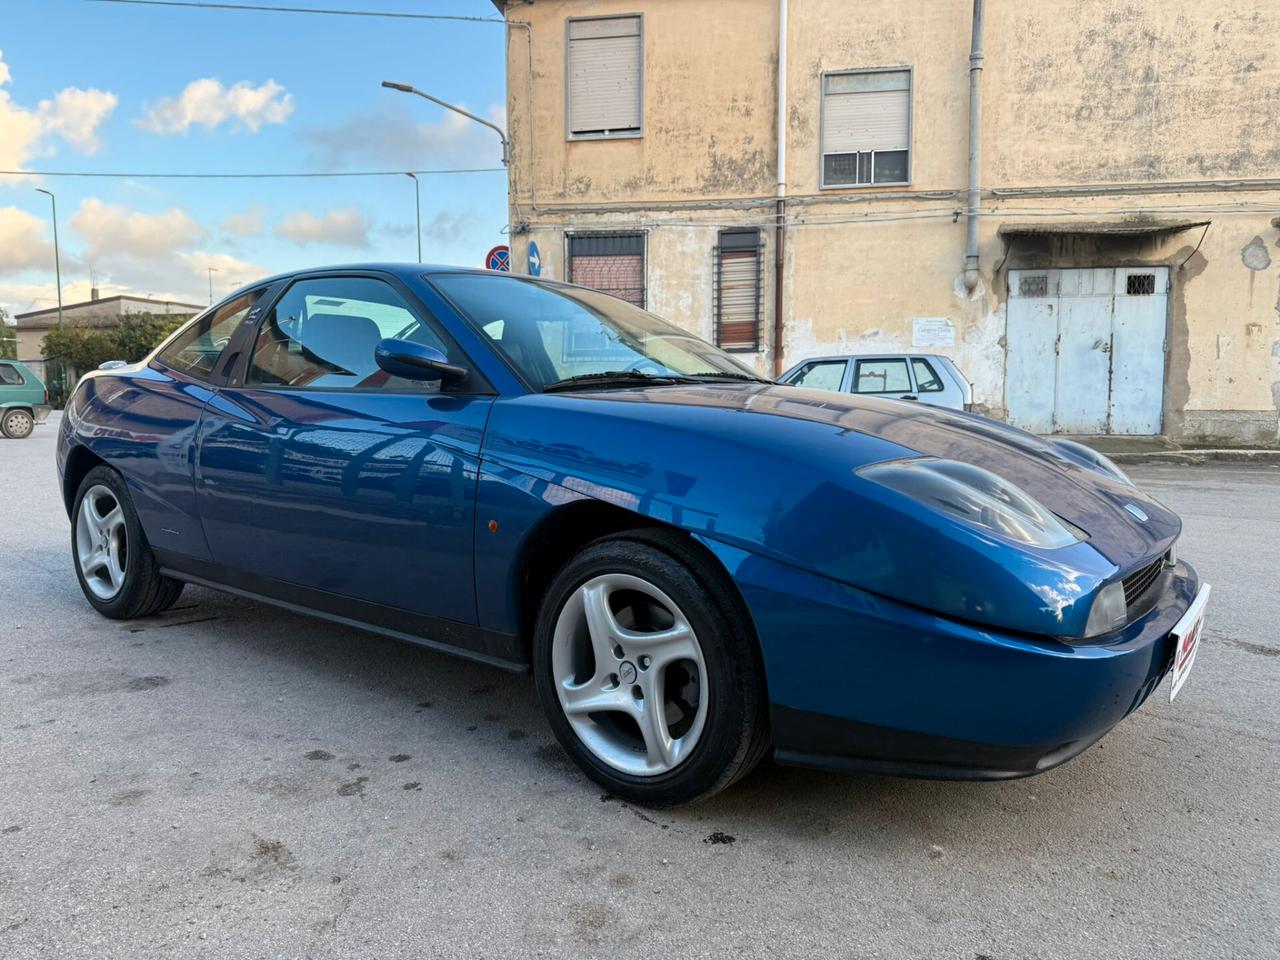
(120, 88)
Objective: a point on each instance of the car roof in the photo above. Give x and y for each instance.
(405, 271)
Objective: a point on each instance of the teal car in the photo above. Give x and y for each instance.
(24, 401)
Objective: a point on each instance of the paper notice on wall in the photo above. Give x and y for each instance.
(932, 332)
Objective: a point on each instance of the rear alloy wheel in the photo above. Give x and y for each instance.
(102, 544)
(17, 424)
(114, 563)
(648, 670)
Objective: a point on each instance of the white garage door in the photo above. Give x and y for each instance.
(1086, 350)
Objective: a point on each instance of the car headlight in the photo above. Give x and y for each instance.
(976, 496)
(1109, 611)
(1093, 460)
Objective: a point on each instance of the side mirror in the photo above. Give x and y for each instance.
(112, 364)
(415, 361)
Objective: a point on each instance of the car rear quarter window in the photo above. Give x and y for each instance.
(882, 376)
(10, 376)
(195, 350)
(820, 375)
(927, 379)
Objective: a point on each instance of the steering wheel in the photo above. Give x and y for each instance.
(635, 366)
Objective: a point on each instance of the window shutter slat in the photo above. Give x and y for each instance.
(853, 122)
(604, 83)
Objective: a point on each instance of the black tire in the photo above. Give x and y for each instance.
(17, 424)
(736, 732)
(144, 592)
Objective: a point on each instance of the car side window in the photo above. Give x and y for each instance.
(882, 376)
(927, 380)
(322, 333)
(195, 350)
(820, 375)
(10, 376)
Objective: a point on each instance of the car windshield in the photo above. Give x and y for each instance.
(554, 334)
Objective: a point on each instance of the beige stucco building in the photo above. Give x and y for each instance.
(1128, 273)
(31, 328)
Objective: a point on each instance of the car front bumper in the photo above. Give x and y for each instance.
(857, 681)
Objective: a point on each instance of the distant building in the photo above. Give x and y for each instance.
(1124, 270)
(95, 312)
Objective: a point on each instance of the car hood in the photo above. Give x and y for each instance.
(773, 469)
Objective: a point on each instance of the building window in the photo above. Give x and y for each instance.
(737, 290)
(866, 128)
(612, 263)
(605, 77)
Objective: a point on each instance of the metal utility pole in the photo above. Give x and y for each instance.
(57, 258)
(407, 88)
(417, 203)
(212, 271)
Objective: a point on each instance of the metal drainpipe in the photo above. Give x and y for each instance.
(974, 194)
(780, 227)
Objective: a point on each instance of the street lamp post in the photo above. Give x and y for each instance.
(212, 271)
(57, 259)
(407, 88)
(417, 204)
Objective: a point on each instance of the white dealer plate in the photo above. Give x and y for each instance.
(1186, 640)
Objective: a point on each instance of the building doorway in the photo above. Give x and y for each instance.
(1085, 350)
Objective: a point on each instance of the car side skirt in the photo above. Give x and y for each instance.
(447, 636)
(867, 748)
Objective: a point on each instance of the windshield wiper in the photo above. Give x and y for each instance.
(613, 377)
(726, 375)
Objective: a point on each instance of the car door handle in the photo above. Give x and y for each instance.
(908, 396)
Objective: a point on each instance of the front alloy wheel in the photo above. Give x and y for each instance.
(648, 669)
(628, 670)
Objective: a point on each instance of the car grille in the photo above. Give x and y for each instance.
(1139, 582)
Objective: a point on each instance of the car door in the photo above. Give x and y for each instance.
(883, 376)
(824, 374)
(324, 481)
(150, 418)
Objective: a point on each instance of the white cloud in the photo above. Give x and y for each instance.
(22, 242)
(392, 136)
(113, 232)
(208, 103)
(447, 228)
(343, 226)
(244, 223)
(158, 255)
(72, 114)
(76, 114)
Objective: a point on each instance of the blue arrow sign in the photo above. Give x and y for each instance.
(535, 260)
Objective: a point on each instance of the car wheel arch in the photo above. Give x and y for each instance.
(80, 460)
(566, 531)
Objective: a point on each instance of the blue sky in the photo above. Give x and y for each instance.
(108, 87)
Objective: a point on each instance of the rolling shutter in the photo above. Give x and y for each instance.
(737, 292)
(866, 113)
(604, 76)
(612, 263)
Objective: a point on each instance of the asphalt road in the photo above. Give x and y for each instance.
(230, 780)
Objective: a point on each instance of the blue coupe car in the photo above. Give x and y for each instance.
(699, 566)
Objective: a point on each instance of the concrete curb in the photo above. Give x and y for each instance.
(1198, 457)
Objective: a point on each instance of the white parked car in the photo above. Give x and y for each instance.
(926, 377)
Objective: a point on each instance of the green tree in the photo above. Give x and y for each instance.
(131, 339)
(8, 338)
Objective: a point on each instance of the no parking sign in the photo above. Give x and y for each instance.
(499, 258)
